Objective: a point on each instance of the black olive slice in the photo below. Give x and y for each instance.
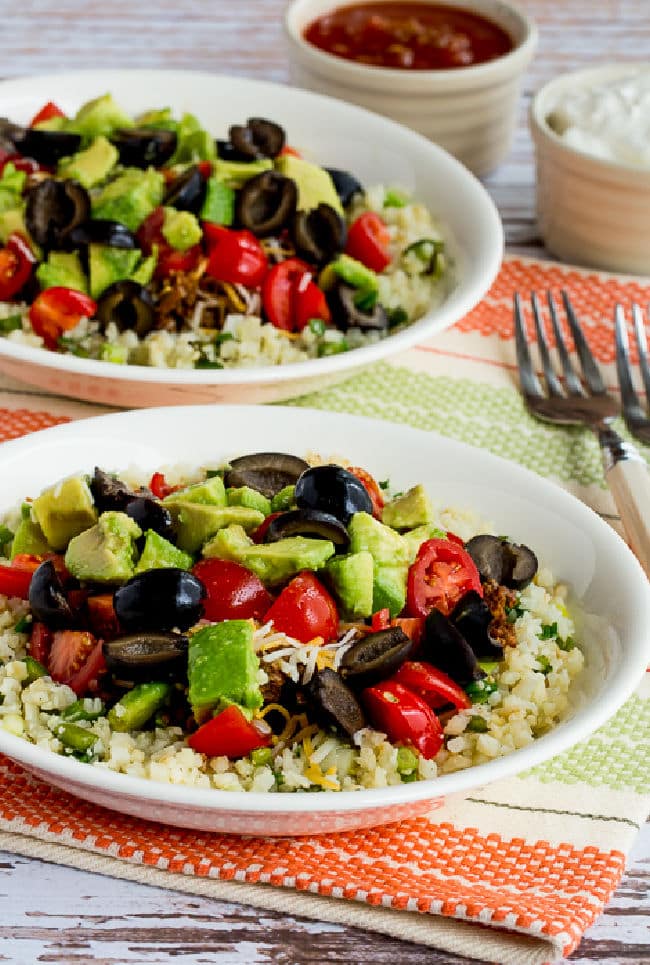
(164, 599)
(141, 147)
(375, 657)
(346, 314)
(472, 617)
(319, 234)
(109, 492)
(507, 563)
(54, 209)
(187, 191)
(267, 472)
(102, 231)
(257, 138)
(346, 185)
(446, 648)
(47, 599)
(129, 305)
(140, 655)
(334, 703)
(266, 203)
(332, 489)
(149, 513)
(226, 152)
(308, 522)
(46, 147)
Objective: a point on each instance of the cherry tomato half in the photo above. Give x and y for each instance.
(230, 734)
(40, 642)
(305, 610)
(258, 534)
(15, 580)
(16, 262)
(309, 302)
(380, 620)
(57, 310)
(442, 573)
(373, 490)
(46, 113)
(279, 291)
(234, 256)
(160, 487)
(403, 716)
(233, 592)
(431, 684)
(368, 240)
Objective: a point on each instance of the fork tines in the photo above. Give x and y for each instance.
(529, 382)
(636, 416)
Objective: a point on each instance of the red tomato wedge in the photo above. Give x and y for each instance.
(46, 113)
(258, 534)
(102, 617)
(442, 573)
(230, 734)
(310, 302)
(431, 684)
(279, 291)
(70, 650)
(372, 487)
(16, 262)
(305, 610)
(403, 716)
(40, 643)
(380, 620)
(234, 256)
(233, 592)
(368, 240)
(160, 487)
(57, 310)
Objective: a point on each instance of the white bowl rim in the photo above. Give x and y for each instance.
(539, 124)
(460, 300)
(453, 77)
(563, 736)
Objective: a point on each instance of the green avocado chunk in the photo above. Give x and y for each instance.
(137, 706)
(62, 269)
(315, 185)
(274, 563)
(416, 537)
(211, 492)
(181, 229)
(130, 197)
(223, 668)
(159, 553)
(196, 523)
(411, 509)
(219, 203)
(99, 116)
(283, 500)
(106, 552)
(108, 265)
(385, 545)
(64, 511)
(92, 165)
(352, 579)
(29, 538)
(389, 588)
(250, 498)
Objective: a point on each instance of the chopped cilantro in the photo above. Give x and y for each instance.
(567, 644)
(544, 664)
(10, 324)
(548, 631)
(317, 326)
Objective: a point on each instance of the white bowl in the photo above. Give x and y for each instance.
(591, 211)
(470, 111)
(337, 135)
(579, 547)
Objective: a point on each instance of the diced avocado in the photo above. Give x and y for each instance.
(12, 182)
(13, 220)
(236, 173)
(389, 588)
(64, 510)
(159, 553)
(385, 545)
(250, 498)
(99, 116)
(193, 142)
(62, 268)
(196, 523)
(29, 538)
(137, 706)
(416, 537)
(274, 563)
(354, 273)
(219, 202)
(9, 200)
(223, 668)
(211, 492)
(315, 185)
(181, 229)
(106, 552)
(162, 118)
(130, 197)
(108, 265)
(411, 509)
(117, 354)
(283, 500)
(91, 166)
(56, 123)
(144, 271)
(352, 580)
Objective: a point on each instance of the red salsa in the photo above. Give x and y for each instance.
(410, 36)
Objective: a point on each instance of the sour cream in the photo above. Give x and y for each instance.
(608, 120)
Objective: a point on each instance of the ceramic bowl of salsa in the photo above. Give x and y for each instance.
(451, 71)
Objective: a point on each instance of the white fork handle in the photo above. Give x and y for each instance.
(628, 478)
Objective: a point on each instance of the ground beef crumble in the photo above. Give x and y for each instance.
(500, 599)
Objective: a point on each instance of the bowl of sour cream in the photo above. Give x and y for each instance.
(591, 131)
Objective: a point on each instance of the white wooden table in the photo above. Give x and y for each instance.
(53, 914)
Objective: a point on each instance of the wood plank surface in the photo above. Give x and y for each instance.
(60, 915)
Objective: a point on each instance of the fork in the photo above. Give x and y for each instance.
(582, 400)
(636, 417)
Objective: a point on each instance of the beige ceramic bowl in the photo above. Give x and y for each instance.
(591, 211)
(470, 111)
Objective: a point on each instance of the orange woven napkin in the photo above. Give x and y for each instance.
(513, 873)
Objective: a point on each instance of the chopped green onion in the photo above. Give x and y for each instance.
(77, 711)
(477, 724)
(332, 348)
(480, 690)
(10, 324)
(407, 761)
(426, 250)
(317, 326)
(261, 756)
(73, 347)
(395, 198)
(489, 666)
(203, 363)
